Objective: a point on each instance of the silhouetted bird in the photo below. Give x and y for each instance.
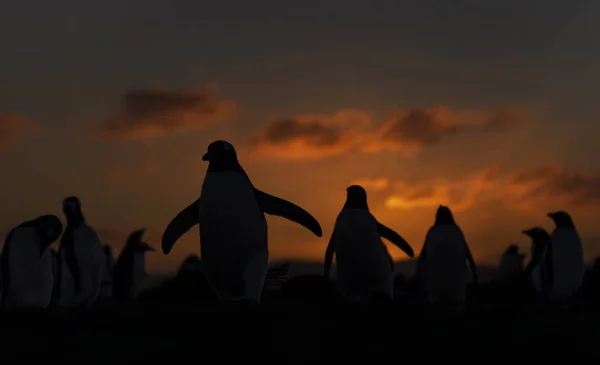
(106, 290)
(443, 261)
(130, 269)
(81, 259)
(27, 277)
(233, 228)
(363, 263)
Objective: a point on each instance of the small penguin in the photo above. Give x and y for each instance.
(233, 227)
(364, 265)
(28, 280)
(130, 270)
(442, 266)
(106, 289)
(81, 259)
(540, 266)
(511, 264)
(567, 256)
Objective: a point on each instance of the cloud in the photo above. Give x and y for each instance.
(410, 130)
(311, 136)
(376, 184)
(407, 130)
(151, 113)
(13, 126)
(460, 194)
(554, 183)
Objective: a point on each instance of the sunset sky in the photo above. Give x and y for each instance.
(490, 109)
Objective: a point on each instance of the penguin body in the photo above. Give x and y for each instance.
(443, 261)
(363, 264)
(233, 227)
(106, 289)
(28, 280)
(540, 266)
(567, 256)
(81, 259)
(130, 268)
(511, 264)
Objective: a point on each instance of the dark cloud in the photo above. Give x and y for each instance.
(150, 113)
(552, 181)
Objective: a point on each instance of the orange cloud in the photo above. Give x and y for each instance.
(460, 194)
(543, 187)
(152, 113)
(13, 126)
(311, 136)
(377, 184)
(407, 130)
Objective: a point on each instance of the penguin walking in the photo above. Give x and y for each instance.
(363, 263)
(567, 256)
(233, 227)
(106, 287)
(81, 259)
(540, 266)
(130, 269)
(442, 265)
(511, 264)
(27, 278)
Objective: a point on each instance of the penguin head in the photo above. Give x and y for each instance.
(561, 219)
(538, 235)
(50, 228)
(72, 210)
(512, 249)
(220, 152)
(134, 242)
(444, 216)
(356, 197)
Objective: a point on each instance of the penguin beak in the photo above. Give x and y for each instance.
(552, 214)
(205, 157)
(527, 232)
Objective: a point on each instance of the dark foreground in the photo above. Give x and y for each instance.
(298, 332)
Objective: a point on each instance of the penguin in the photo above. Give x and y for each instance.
(540, 266)
(106, 289)
(81, 259)
(363, 263)
(442, 265)
(567, 256)
(233, 228)
(511, 264)
(130, 271)
(28, 280)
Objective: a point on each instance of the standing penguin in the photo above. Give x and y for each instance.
(81, 259)
(567, 256)
(130, 269)
(540, 265)
(106, 289)
(442, 265)
(363, 263)
(511, 264)
(27, 278)
(233, 228)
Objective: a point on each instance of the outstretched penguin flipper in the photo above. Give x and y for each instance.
(273, 205)
(395, 238)
(182, 223)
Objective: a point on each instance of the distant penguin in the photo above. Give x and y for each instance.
(540, 265)
(28, 281)
(106, 289)
(511, 264)
(567, 256)
(363, 264)
(442, 265)
(81, 259)
(130, 269)
(233, 228)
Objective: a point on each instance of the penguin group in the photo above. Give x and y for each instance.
(230, 215)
